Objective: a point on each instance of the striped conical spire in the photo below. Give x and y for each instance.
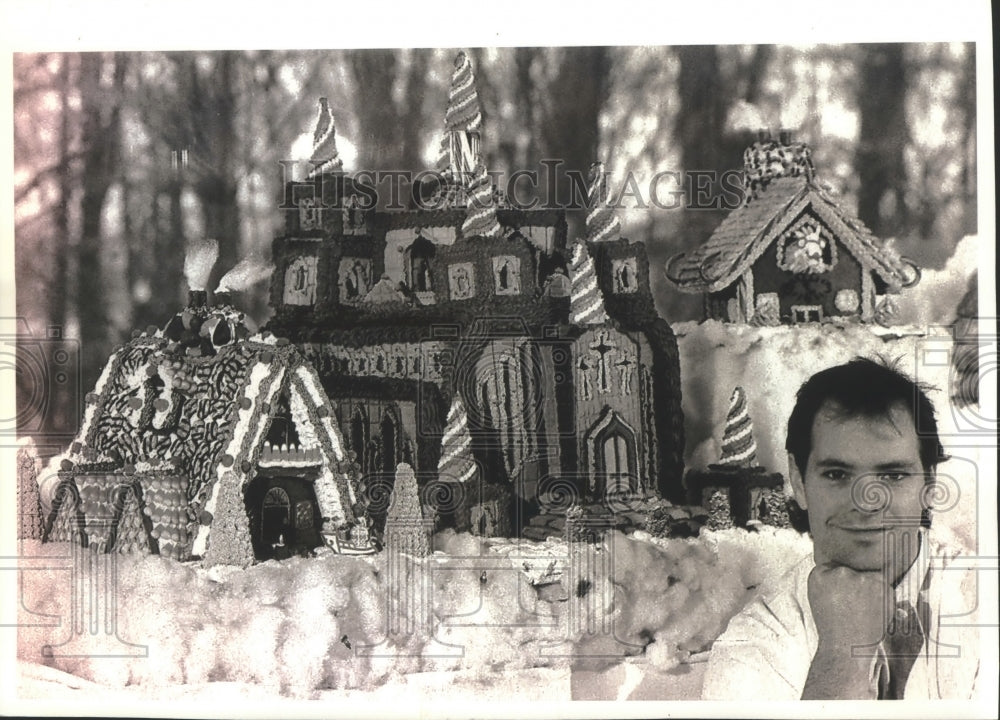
(456, 463)
(481, 212)
(463, 101)
(602, 221)
(464, 112)
(586, 305)
(325, 158)
(739, 449)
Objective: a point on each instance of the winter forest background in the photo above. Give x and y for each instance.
(121, 158)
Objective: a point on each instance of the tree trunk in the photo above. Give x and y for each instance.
(883, 137)
(374, 72)
(58, 289)
(525, 101)
(100, 138)
(706, 150)
(756, 72)
(970, 220)
(412, 118)
(572, 127)
(213, 104)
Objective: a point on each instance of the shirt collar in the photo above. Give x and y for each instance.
(913, 581)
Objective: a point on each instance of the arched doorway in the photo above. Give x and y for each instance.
(275, 517)
(284, 516)
(615, 454)
(507, 401)
(615, 462)
(419, 257)
(359, 438)
(388, 432)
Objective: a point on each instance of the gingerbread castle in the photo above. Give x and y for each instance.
(476, 342)
(790, 253)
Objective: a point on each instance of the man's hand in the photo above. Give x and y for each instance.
(851, 610)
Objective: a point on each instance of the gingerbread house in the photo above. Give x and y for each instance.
(790, 253)
(473, 341)
(201, 440)
(737, 491)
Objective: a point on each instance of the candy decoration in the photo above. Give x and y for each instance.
(464, 114)
(229, 543)
(456, 463)
(404, 509)
(131, 535)
(602, 222)
(768, 159)
(586, 305)
(29, 507)
(325, 158)
(167, 507)
(739, 448)
(463, 101)
(481, 214)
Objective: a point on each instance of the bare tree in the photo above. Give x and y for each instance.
(883, 138)
(967, 102)
(100, 139)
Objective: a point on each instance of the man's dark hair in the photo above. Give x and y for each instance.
(862, 388)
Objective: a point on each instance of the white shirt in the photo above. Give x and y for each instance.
(767, 649)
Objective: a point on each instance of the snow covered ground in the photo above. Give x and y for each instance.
(314, 629)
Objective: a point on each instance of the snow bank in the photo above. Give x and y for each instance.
(307, 625)
(934, 300)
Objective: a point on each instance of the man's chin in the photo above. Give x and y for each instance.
(873, 560)
(870, 560)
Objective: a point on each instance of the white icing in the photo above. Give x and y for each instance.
(327, 494)
(300, 416)
(166, 374)
(250, 420)
(310, 381)
(288, 463)
(91, 408)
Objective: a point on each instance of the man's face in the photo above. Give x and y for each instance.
(862, 490)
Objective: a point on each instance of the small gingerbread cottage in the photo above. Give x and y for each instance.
(790, 253)
(203, 441)
(736, 490)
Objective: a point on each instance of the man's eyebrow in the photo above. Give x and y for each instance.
(896, 465)
(833, 463)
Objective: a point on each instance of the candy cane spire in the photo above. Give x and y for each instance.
(456, 463)
(602, 221)
(738, 445)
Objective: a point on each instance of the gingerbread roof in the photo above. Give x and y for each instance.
(751, 228)
(201, 417)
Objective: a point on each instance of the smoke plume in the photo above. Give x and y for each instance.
(198, 262)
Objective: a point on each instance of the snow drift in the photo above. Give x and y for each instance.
(304, 625)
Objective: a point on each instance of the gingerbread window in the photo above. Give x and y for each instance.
(807, 247)
(624, 274)
(461, 281)
(507, 275)
(300, 281)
